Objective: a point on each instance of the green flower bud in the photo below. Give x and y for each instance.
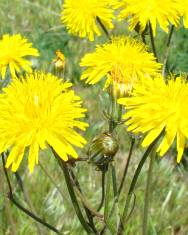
(102, 150)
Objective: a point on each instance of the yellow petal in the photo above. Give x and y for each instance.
(33, 156)
(180, 145)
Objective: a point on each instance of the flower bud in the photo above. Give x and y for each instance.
(102, 150)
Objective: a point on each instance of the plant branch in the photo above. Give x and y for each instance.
(103, 190)
(19, 206)
(103, 27)
(27, 199)
(152, 42)
(167, 50)
(126, 166)
(72, 194)
(133, 183)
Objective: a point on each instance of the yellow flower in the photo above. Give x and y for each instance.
(156, 105)
(80, 17)
(162, 12)
(59, 61)
(184, 12)
(38, 110)
(13, 50)
(122, 61)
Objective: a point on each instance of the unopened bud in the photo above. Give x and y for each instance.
(102, 150)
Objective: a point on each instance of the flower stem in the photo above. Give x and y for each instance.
(126, 166)
(19, 206)
(115, 191)
(90, 211)
(103, 28)
(147, 194)
(107, 195)
(72, 194)
(167, 50)
(103, 190)
(133, 184)
(152, 42)
(109, 225)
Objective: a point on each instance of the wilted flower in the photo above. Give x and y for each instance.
(59, 61)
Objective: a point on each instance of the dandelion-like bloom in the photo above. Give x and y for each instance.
(38, 110)
(80, 17)
(153, 11)
(13, 50)
(122, 61)
(156, 105)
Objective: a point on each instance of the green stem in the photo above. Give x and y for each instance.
(103, 190)
(148, 194)
(115, 191)
(152, 42)
(72, 194)
(107, 202)
(126, 166)
(19, 206)
(112, 123)
(88, 210)
(103, 28)
(27, 199)
(133, 184)
(87, 205)
(143, 38)
(167, 50)
(107, 196)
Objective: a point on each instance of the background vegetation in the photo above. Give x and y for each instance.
(39, 20)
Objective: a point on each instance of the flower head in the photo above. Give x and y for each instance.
(80, 16)
(153, 11)
(38, 110)
(122, 61)
(13, 50)
(59, 61)
(156, 105)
